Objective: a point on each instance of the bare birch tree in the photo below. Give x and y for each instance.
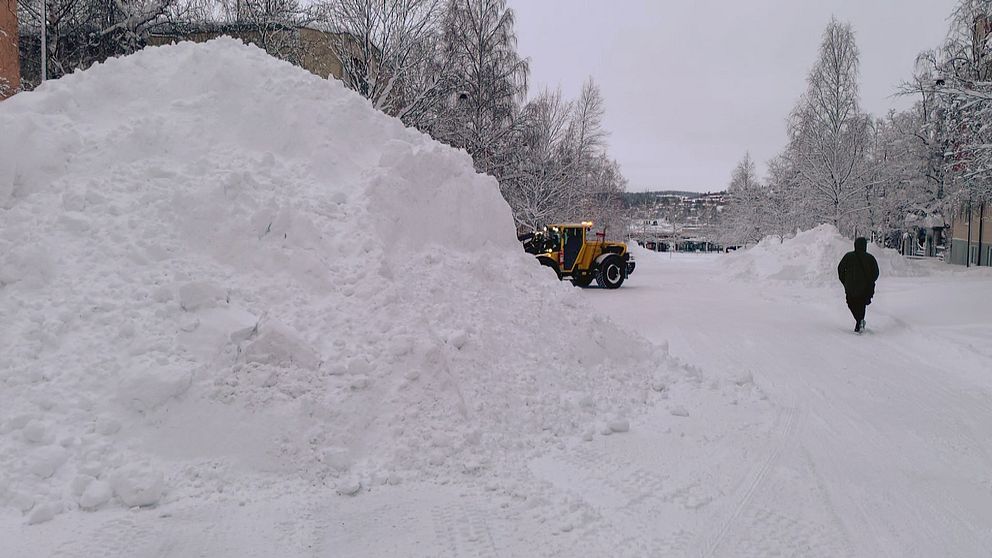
(747, 208)
(490, 80)
(541, 186)
(561, 170)
(783, 197)
(586, 143)
(830, 136)
(386, 47)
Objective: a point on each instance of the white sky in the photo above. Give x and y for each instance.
(691, 85)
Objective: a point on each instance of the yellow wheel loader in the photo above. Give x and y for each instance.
(573, 253)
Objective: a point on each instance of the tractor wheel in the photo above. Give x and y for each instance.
(582, 280)
(554, 266)
(611, 273)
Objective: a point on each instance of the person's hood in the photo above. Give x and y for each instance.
(860, 244)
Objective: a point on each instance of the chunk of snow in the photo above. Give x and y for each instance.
(37, 432)
(149, 389)
(278, 345)
(137, 485)
(200, 294)
(348, 487)
(45, 461)
(98, 493)
(44, 512)
(679, 411)
(619, 425)
(108, 426)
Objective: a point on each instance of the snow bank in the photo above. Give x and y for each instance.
(211, 261)
(810, 257)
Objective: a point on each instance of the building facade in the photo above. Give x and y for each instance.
(10, 68)
(971, 236)
(311, 49)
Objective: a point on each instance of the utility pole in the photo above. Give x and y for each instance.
(981, 233)
(967, 258)
(44, 40)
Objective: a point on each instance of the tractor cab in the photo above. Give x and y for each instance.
(569, 239)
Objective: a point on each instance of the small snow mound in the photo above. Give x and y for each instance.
(810, 257)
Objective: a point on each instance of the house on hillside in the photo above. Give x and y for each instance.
(10, 71)
(673, 220)
(970, 240)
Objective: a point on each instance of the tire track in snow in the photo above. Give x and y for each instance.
(878, 533)
(120, 537)
(787, 438)
(463, 530)
(632, 503)
(953, 442)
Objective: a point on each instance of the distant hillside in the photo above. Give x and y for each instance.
(695, 214)
(635, 200)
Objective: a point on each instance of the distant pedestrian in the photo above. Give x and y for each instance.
(858, 271)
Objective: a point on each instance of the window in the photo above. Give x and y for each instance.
(973, 255)
(988, 260)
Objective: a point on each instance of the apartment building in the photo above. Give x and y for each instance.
(10, 69)
(970, 240)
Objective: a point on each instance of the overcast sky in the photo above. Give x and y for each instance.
(691, 85)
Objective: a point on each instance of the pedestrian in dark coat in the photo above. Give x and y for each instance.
(858, 271)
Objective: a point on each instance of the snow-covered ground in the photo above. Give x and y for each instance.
(881, 443)
(799, 439)
(250, 316)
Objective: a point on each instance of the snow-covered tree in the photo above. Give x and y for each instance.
(489, 80)
(829, 135)
(597, 180)
(386, 47)
(604, 197)
(541, 188)
(588, 137)
(906, 191)
(560, 169)
(746, 213)
(783, 198)
(962, 71)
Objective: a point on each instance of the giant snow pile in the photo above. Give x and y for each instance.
(810, 257)
(210, 258)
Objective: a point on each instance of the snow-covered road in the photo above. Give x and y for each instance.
(885, 442)
(798, 438)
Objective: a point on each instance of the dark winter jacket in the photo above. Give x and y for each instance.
(858, 270)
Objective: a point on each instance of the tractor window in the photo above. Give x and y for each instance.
(573, 240)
